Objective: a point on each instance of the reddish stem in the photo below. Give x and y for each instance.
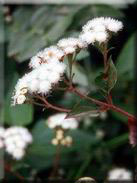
(100, 103)
(109, 106)
(48, 105)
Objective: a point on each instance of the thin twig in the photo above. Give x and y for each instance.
(48, 105)
(56, 162)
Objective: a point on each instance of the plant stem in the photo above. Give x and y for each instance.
(54, 172)
(48, 105)
(105, 56)
(100, 103)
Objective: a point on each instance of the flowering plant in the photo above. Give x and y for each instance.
(72, 106)
(48, 70)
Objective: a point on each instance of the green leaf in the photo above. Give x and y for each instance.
(112, 75)
(126, 60)
(106, 83)
(80, 111)
(83, 108)
(82, 55)
(117, 141)
(106, 10)
(19, 115)
(80, 75)
(101, 83)
(2, 36)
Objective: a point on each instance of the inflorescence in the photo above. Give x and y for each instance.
(15, 140)
(61, 125)
(120, 174)
(48, 66)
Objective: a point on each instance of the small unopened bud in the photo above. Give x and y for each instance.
(63, 142)
(55, 142)
(23, 91)
(85, 180)
(59, 134)
(21, 99)
(68, 140)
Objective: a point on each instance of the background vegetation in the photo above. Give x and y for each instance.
(100, 143)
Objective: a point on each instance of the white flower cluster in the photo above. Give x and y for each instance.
(47, 65)
(45, 56)
(58, 120)
(70, 45)
(15, 140)
(120, 174)
(98, 29)
(47, 71)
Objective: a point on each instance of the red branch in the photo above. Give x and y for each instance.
(103, 104)
(48, 105)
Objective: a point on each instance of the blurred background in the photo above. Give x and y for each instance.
(100, 144)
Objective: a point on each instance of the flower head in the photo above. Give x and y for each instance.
(120, 174)
(98, 29)
(44, 56)
(58, 120)
(16, 139)
(70, 45)
(39, 80)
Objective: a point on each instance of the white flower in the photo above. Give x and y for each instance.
(45, 56)
(53, 52)
(88, 37)
(18, 153)
(58, 120)
(16, 139)
(92, 24)
(103, 24)
(39, 80)
(54, 77)
(21, 99)
(101, 37)
(10, 148)
(120, 174)
(44, 87)
(34, 85)
(70, 45)
(37, 60)
(98, 29)
(113, 25)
